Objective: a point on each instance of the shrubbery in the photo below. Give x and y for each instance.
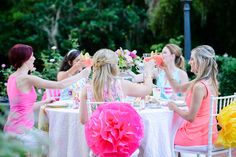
(51, 61)
(227, 75)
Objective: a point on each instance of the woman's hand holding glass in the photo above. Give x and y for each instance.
(148, 67)
(78, 66)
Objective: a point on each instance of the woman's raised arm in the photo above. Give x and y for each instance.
(42, 83)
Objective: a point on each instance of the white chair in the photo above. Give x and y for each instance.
(92, 106)
(217, 104)
(53, 93)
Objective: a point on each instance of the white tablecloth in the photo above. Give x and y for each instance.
(67, 136)
(160, 126)
(66, 133)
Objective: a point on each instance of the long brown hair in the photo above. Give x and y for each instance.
(68, 59)
(179, 59)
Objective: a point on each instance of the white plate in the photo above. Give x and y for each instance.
(180, 103)
(153, 105)
(59, 104)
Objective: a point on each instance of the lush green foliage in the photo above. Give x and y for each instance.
(9, 146)
(4, 73)
(94, 23)
(166, 19)
(212, 23)
(178, 41)
(227, 73)
(51, 63)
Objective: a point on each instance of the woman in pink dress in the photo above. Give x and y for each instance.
(194, 131)
(106, 86)
(21, 92)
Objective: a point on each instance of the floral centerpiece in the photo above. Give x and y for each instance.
(128, 60)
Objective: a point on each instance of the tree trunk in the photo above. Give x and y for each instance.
(52, 29)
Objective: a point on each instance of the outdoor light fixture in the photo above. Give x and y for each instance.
(187, 30)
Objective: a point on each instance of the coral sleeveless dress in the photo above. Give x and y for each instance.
(21, 115)
(196, 132)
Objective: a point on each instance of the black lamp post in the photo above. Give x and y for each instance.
(187, 30)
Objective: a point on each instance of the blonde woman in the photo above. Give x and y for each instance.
(195, 129)
(106, 86)
(172, 57)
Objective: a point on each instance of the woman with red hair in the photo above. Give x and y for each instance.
(21, 92)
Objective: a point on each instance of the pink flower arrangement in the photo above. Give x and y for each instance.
(114, 130)
(126, 58)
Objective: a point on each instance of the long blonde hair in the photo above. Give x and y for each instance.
(179, 59)
(206, 64)
(105, 68)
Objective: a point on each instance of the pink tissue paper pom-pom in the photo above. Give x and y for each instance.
(114, 130)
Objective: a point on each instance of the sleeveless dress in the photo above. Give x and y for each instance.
(166, 90)
(196, 132)
(20, 122)
(115, 93)
(21, 115)
(66, 93)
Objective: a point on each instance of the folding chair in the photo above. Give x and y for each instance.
(210, 149)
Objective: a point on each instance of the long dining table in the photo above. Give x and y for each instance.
(67, 137)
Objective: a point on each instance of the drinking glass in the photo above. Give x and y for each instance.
(156, 92)
(75, 97)
(145, 55)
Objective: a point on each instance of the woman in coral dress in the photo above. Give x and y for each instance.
(194, 131)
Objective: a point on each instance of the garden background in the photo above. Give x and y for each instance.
(143, 25)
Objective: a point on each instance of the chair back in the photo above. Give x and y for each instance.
(216, 105)
(93, 105)
(114, 129)
(51, 93)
